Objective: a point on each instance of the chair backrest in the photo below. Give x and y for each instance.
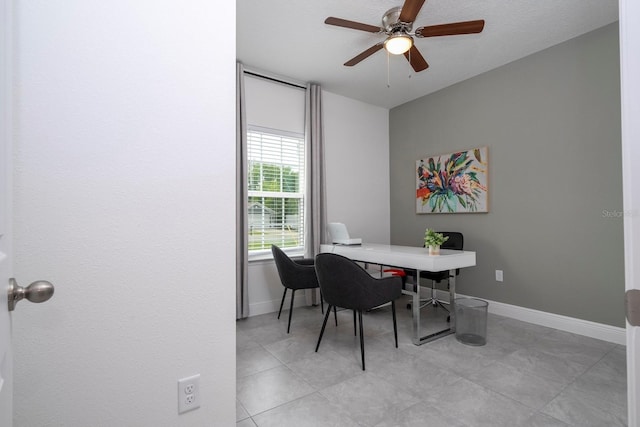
(345, 284)
(455, 240)
(293, 275)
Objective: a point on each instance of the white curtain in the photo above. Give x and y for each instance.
(242, 262)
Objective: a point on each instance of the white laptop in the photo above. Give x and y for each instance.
(340, 235)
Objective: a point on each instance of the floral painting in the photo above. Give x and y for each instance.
(453, 183)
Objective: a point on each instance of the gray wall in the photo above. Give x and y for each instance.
(552, 125)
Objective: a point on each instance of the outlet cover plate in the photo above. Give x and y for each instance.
(188, 394)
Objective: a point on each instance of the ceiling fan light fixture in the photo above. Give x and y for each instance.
(398, 44)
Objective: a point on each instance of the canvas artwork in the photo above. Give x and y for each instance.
(453, 183)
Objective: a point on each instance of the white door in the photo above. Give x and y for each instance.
(630, 82)
(6, 261)
(6, 410)
(5, 321)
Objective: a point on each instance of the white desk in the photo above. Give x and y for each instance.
(417, 259)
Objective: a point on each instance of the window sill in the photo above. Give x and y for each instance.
(267, 256)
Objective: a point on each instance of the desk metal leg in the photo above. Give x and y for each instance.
(452, 300)
(415, 307)
(417, 338)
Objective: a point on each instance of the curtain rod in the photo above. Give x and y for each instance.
(273, 79)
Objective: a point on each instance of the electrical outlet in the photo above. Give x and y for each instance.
(499, 277)
(188, 393)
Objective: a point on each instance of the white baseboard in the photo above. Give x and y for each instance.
(587, 328)
(272, 306)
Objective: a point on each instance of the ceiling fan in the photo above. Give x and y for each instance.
(397, 24)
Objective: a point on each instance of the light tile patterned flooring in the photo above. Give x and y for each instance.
(526, 375)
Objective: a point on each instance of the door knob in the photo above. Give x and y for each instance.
(38, 291)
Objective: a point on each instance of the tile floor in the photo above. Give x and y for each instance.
(526, 375)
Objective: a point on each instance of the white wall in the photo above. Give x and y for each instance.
(357, 180)
(124, 148)
(357, 161)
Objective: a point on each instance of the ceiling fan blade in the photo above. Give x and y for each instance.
(467, 27)
(367, 53)
(416, 59)
(410, 10)
(351, 24)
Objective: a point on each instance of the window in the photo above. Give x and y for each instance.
(275, 174)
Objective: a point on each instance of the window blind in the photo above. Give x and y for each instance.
(276, 183)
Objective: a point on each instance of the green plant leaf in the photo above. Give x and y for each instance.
(477, 154)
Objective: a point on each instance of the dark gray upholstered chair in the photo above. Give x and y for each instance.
(294, 274)
(345, 284)
(455, 241)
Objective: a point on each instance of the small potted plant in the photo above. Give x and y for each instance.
(433, 241)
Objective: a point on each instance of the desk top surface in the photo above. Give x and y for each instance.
(404, 256)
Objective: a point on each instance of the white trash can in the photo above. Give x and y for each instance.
(471, 321)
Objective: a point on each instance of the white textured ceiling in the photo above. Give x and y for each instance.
(288, 38)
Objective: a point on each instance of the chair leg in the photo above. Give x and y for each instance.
(335, 313)
(282, 302)
(355, 324)
(434, 296)
(395, 325)
(361, 337)
(439, 304)
(434, 300)
(293, 292)
(321, 303)
(326, 317)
